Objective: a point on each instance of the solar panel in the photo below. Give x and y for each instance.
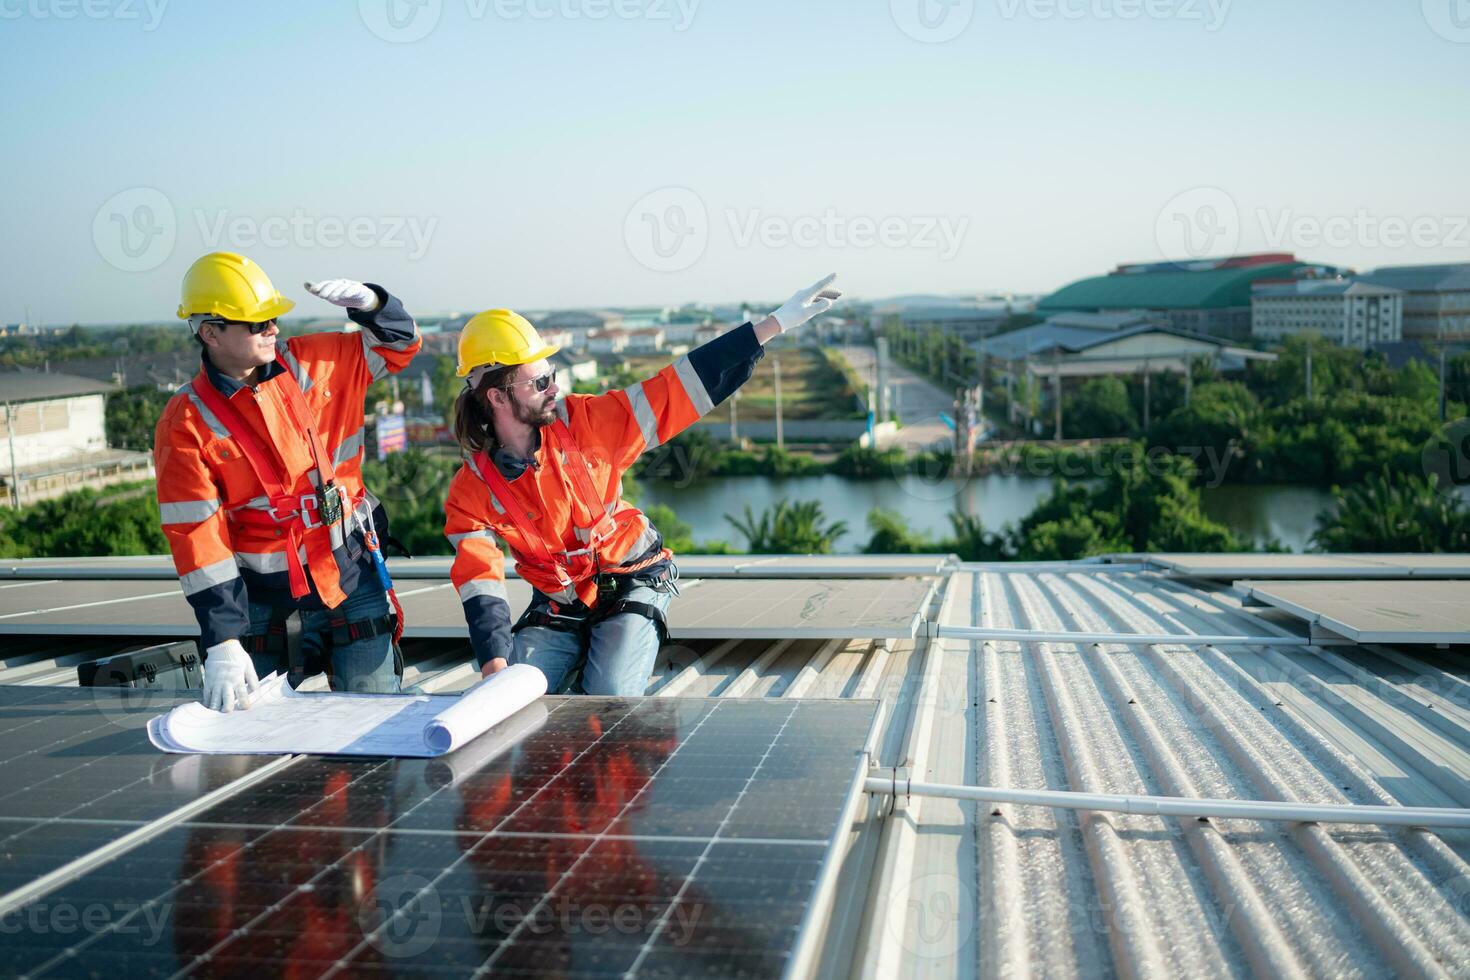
(625, 836)
(1238, 566)
(1376, 611)
(77, 772)
(709, 608)
(403, 569)
(808, 608)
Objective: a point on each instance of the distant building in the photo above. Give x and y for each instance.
(55, 437)
(572, 367)
(966, 318)
(1211, 296)
(1071, 347)
(1436, 299)
(579, 323)
(647, 340)
(1347, 312)
(606, 341)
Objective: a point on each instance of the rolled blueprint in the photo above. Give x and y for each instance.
(484, 706)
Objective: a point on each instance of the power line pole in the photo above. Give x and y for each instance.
(1441, 383)
(780, 434)
(10, 437)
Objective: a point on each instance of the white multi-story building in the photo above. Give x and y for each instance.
(1344, 311)
(646, 340)
(606, 341)
(1436, 299)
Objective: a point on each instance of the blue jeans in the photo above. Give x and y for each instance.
(616, 661)
(363, 666)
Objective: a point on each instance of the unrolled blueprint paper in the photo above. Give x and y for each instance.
(281, 720)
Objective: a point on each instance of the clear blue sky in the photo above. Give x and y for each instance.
(518, 144)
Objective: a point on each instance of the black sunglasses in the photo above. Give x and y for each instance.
(254, 328)
(539, 383)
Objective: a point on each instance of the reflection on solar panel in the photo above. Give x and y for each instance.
(652, 837)
(78, 772)
(719, 608)
(1377, 611)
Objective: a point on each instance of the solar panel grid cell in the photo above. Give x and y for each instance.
(647, 835)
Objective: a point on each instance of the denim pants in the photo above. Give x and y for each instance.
(363, 667)
(618, 656)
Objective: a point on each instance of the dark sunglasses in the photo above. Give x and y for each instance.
(254, 328)
(539, 383)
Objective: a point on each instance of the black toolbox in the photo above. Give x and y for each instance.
(166, 667)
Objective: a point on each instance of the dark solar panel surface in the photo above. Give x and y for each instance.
(77, 771)
(658, 837)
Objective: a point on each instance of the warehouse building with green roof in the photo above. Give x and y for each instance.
(1211, 296)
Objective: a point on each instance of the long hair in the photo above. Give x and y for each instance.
(473, 427)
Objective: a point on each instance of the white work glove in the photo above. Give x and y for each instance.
(229, 676)
(807, 303)
(345, 292)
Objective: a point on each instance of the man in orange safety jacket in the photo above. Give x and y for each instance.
(545, 477)
(259, 468)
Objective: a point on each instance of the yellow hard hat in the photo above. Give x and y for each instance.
(499, 337)
(227, 285)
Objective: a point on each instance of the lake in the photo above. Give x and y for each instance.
(1285, 513)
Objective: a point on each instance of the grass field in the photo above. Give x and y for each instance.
(811, 388)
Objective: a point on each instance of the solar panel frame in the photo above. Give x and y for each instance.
(1376, 611)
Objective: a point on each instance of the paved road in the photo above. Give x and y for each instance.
(919, 401)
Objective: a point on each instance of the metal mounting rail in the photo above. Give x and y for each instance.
(884, 780)
(1125, 639)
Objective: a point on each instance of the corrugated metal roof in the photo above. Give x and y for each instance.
(1215, 289)
(31, 386)
(953, 888)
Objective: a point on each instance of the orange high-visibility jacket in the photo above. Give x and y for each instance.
(205, 479)
(611, 431)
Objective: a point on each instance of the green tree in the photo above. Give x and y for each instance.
(121, 520)
(787, 528)
(132, 415)
(1099, 409)
(1394, 511)
(893, 536)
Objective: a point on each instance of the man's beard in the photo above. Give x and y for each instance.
(527, 415)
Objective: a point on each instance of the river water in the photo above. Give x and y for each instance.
(1286, 514)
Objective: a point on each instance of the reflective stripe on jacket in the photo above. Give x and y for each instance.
(612, 431)
(203, 476)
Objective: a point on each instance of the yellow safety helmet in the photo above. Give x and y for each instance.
(227, 285)
(499, 337)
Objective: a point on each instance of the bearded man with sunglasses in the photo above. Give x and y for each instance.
(545, 476)
(259, 466)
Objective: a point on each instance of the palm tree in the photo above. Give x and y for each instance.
(1394, 513)
(785, 528)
